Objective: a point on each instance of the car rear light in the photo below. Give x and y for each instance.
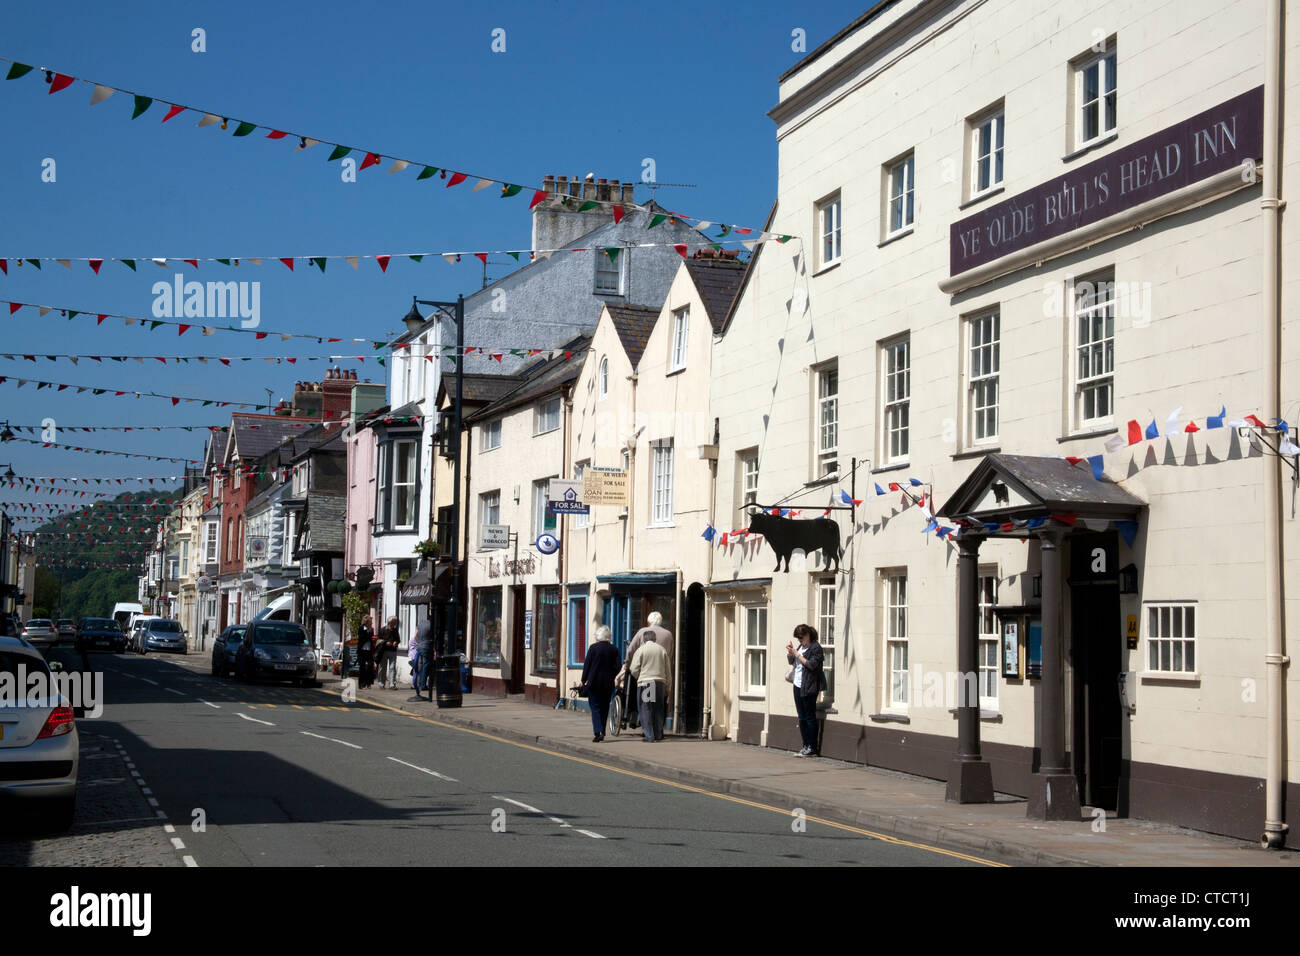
(60, 721)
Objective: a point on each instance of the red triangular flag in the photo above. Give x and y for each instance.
(4, 266)
(61, 82)
(101, 318)
(456, 179)
(1065, 519)
(289, 263)
(175, 401)
(1134, 432)
(618, 215)
(261, 335)
(383, 262)
(275, 134)
(183, 328)
(174, 111)
(370, 160)
(537, 197)
(1252, 420)
(95, 264)
(681, 249)
(1191, 427)
(14, 307)
(193, 262)
(481, 256)
(1072, 460)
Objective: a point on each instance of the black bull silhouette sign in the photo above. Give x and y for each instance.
(786, 535)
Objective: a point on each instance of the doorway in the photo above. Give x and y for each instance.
(691, 655)
(1096, 657)
(518, 600)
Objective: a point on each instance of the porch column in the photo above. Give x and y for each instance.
(970, 778)
(1054, 793)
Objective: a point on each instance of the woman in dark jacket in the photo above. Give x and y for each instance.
(366, 652)
(809, 681)
(598, 670)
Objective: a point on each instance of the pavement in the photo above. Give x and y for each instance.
(879, 801)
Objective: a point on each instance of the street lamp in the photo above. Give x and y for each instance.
(447, 668)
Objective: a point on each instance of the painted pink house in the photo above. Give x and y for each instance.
(358, 547)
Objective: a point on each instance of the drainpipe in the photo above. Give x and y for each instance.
(562, 565)
(1275, 827)
(631, 481)
(706, 728)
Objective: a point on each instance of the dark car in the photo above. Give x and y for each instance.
(67, 629)
(276, 650)
(163, 635)
(224, 648)
(100, 634)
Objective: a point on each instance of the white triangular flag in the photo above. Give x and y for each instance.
(209, 119)
(1171, 423)
(202, 358)
(101, 93)
(703, 224)
(305, 143)
(43, 309)
(66, 263)
(1096, 524)
(161, 263)
(749, 245)
(450, 257)
(398, 166)
(1115, 443)
(130, 321)
(482, 184)
(256, 262)
(1288, 447)
(285, 336)
(72, 359)
(351, 260)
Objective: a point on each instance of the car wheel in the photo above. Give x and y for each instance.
(216, 671)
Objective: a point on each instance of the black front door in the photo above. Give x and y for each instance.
(1096, 654)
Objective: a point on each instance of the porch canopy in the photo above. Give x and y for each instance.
(1023, 496)
(426, 584)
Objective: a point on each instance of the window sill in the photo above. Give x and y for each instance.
(977, 452)
(890, 718)
(675, 371)
(752, 696)
(656, 527)
(1096, 433)
(987, 194)
(546, 432)
(894, 237)
(992, 716)
(1089, 146)
(484, 451)
(897, 466)
(1152, 677)
(827, 267)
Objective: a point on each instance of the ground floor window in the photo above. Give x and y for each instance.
(487, 625)
(825, 618)
(755, 637)
(577, 629)
(896, 644)
(546, 629)
(1171, 638)
(988, 637)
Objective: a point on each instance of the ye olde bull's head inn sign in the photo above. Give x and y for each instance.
(1226, 136)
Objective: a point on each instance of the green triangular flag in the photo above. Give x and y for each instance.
(416, 258)
(154, 324)
(725, 230)
(339, 153)
(513, 255)
(320, 262)
(656, 220)
(118, 358)
(34, 262)
(428, 172)
(142, 103)
(129, 263)
(224, 262)
(17, 70)
(380, 360)
(783, 238)
(205, 403)
(717, 246)
(509, 190)
(244, 128)
(589, 204)
(612, 252)
(72, 314)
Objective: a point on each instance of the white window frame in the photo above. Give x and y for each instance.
(987, 149)
(983, 376)
(544, 420)
(581, 520)
(1092, 298)
(489, 435)
(604, 268)
(825, 593)
(896, 399)
(210, 535)
(986, 594)
(661, 483)
(398, 449)
(896, 645)
(826, 405)
(746, 481)
(753, 639)
(830, 230)
(542, 522)
(604, 376)
(489, 510)
(681, 338)
(1105, 63)
(1170, 638)
(900, 203)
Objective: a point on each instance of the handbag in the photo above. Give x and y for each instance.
(789, 675)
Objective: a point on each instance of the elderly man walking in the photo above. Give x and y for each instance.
(650, 668)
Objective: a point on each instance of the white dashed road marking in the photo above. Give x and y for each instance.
(189, 861)
(333, 740)
(209, 703)
(256, 721)
(563, 825)
(148, 681)
(594, 836)
(432, 773)
(172, 690)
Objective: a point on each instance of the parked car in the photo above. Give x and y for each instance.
(40, 632)
(276, 650)
(224, 649)
(39, 747)
(67, 629)
(123, 612)
(100, 634)
(135, 634)
(161, 634)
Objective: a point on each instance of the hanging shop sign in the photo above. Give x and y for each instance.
(1221, 138)
(564, 497)
(604, 486)
(495, 536)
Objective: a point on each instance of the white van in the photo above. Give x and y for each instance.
(279, 609)
(123, 612)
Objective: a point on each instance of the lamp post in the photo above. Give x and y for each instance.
(448, 663)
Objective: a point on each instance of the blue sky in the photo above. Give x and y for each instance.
(580, 88)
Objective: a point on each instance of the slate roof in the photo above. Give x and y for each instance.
(634, 324)
(255, 435)
(484, 388)
(216, 447)
(718, 281)
(1060, 487)
(545, 377)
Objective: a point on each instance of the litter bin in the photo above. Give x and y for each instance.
(447, 680)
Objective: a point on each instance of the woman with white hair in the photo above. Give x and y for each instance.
(598, 671)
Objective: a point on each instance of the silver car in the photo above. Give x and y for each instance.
(39, 631)
(163, 635)
(39, 747)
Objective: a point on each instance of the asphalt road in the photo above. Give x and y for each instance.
(258, 775)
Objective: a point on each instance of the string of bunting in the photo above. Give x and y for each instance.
(187, 302)
(119, 392)
(37, 429)
(141, 103)
(224, 360)
(62, 509)
(103, 451)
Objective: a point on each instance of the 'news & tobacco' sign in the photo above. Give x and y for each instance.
(1225, 136)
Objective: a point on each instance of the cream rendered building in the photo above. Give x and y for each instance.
(641, 406)
(1017, 241)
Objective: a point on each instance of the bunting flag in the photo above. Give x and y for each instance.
(118, 393)
(709, 533)
(847, 499)
(104, 451)
(879, 491)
